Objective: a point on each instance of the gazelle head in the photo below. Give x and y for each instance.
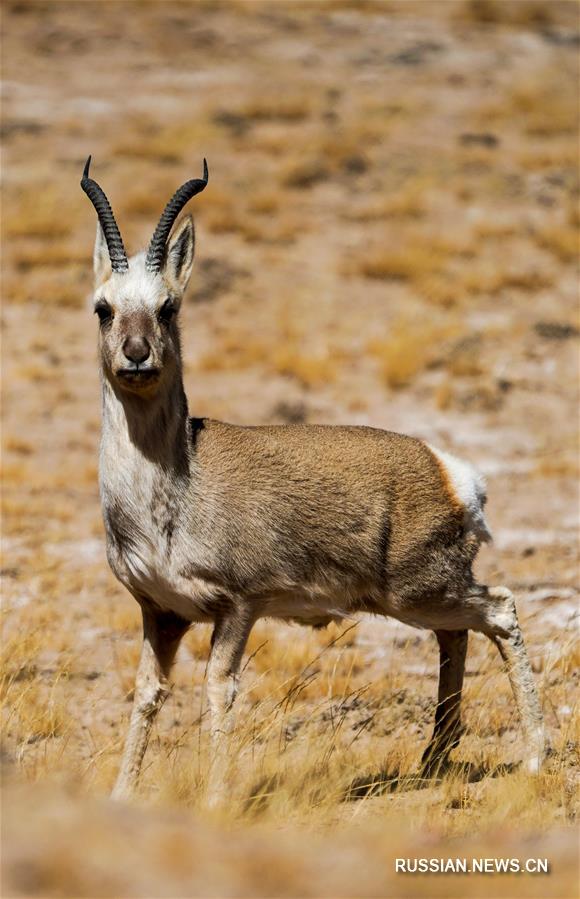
(137, 299)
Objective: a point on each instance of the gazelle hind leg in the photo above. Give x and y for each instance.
(228, 643)
(447, 731)
(162, 633)
(504, 631)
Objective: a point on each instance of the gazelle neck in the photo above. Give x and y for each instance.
(146, 430)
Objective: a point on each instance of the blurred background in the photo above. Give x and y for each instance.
(389, 237)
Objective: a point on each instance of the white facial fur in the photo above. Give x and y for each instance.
(134, 307)
(133, 290)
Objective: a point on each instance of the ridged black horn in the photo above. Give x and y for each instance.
(156, 251)
(111, 231)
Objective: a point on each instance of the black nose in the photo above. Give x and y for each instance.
(136, 349)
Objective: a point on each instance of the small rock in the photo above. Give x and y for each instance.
(235, 123)
(417, 54)
(561, 38)
(291, 413)
(483, 139)
(355, 165)
(555, 330)
(216, 276)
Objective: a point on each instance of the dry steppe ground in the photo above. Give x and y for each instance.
(389, 237)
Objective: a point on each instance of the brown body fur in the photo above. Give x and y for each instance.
(374, 516)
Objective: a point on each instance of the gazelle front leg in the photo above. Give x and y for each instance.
(227, 647)
(162, 633)
(448, 729)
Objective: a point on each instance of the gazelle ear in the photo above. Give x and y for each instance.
(101, 261)
(179, 255)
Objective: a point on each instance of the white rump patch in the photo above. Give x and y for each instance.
(470, 489)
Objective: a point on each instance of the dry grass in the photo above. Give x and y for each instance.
(182, 855)
(405, 264)
(309, 721)
(410, 202)
(411, 347)
(544, 106)
(144, 140)
(287, 358)
(257, 219)
(51, 286)
(50, 255)
(309, 370)
(36, 211)
(146, 200)
(562, 241)
(549, 155)
(18, 445)
(528, 14)
(440, 289)
(288, 108)
(423, 260)
(342, 151)
(493, 279)
(264, 202)
(559, 464)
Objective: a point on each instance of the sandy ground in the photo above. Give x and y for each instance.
(389, 238)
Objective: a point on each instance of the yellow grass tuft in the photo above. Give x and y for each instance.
(440, 289)
(409, 349)
(486, 279)
(533, 14)
(18, 445)
(310, 370)
(36, 211)
(562, 241)
(167, 144)
(413, 258)
(410, 202)
(559, 465)
(265, 202)
(288, 108)
(404, 264)
(304, 173)
(49, 255)
(544, 105)
(48, 286)
(558, 153)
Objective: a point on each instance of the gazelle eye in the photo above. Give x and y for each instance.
(104, 311)
(166, 312)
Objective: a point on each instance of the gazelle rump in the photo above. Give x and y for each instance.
(207, 521)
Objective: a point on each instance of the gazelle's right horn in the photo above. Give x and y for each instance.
(111, 231)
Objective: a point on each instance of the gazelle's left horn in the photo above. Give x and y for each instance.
(156, 251)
